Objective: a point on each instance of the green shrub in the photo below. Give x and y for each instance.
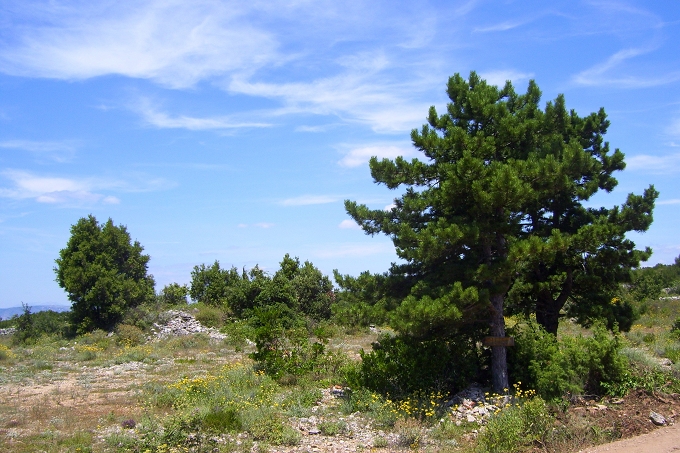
(516, 427)
(238, 333)
(129, 335)
(32, 326)
(210, 316)
(574, 364)
(332, 427)
(174, 294)
(371, 404)
(6, 354)
(284, 349)
(401, 365)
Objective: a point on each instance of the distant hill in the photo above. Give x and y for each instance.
(6, 313)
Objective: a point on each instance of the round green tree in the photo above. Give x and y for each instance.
(104, 274)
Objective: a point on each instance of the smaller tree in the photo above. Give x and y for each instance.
(174, 294)
(311, 291)
(104, 274)
(210, 285)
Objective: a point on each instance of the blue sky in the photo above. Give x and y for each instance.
(233, 131)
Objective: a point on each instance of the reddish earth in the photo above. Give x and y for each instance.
(629, 419)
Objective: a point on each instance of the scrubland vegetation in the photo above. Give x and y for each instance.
(129, 391)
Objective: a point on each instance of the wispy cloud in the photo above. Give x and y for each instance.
(62, 190)
(499, 77)
(323, 128)
(668, 163)
(263, 225)
(245, 48)
(360, 155)
(503, 26)
(349, 224)
(309, 199)
(174, 43)
(163, 120)
(362, 93)
(58, 151)
(670, 201)
(609, 72)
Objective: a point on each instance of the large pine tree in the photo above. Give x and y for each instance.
(495, 207)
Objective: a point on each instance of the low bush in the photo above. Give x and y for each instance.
(401, 366)
(235, 399)
(31, 326)
(516, 427)
(210, 316)
(572, 365)
(129, 335)
(6, 353)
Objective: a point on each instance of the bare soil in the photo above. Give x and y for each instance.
(629, 419)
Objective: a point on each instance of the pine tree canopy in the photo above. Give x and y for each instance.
(493, 218)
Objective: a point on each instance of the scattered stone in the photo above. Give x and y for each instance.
(8, 331)
(657, 419)
(181, 323)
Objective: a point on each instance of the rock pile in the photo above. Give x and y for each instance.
(8, 331)
(471, 405)
(181, 323)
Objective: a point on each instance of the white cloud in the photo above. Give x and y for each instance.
(349, 224)
(59, 151)
(323, 128)
(670, 201)
(359, 156)
(60, 190)
(360, 94)
(600, 74)
(503, 26)
(172, 42)
(668, 163)
(264, 225)
(309, 199)
(389, 207)
(499, 77)
(236, 45)
(164, 121)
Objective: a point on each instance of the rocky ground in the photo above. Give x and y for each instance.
(63, 394)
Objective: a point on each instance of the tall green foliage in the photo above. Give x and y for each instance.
(494, 207)
(300, 287)
(104, 274)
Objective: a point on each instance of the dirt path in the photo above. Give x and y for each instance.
(663, 440)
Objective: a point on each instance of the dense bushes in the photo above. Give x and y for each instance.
(401, 365)
(32, 326)
(571, 365)
(300, 287)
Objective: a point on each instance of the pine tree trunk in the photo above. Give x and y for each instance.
(499, 364)
(548, 314)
